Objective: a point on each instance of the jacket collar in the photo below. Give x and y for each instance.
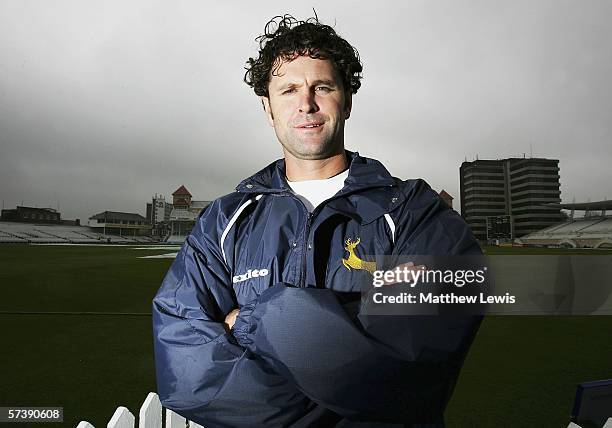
(358, 203)
(363, 173)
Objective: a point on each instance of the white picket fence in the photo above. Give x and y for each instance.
(608, 424)
(150, 416)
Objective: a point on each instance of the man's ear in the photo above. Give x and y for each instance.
(265, 102)
(348, 104)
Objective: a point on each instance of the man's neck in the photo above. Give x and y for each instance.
(314, 169)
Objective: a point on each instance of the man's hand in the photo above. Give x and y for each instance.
(230, 319)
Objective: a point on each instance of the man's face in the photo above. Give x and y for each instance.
(307, 107)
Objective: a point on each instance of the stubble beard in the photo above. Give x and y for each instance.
(307, 149)
(311, 151)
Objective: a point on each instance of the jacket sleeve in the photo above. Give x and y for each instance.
(202, 373)
(382, 368)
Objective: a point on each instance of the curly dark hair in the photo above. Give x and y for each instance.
(288, 37)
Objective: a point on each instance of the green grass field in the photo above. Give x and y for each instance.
(521, 371)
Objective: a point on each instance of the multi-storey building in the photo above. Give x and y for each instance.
(158, 215)
(119, 223)
(184, 213)
(31, 215)
(507, 197)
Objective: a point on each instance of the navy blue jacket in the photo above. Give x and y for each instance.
(300, 353)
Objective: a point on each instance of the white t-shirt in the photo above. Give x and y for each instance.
(313, 192)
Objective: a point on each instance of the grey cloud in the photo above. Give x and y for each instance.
(104, 104)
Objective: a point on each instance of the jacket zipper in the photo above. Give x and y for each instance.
(304, 250)
(310, 216)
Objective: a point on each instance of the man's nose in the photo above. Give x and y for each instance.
(307, 102)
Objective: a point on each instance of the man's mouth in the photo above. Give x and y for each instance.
(310, 125)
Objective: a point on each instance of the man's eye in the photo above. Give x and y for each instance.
(323, 88)
(288, 91)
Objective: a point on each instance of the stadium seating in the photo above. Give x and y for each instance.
(175, 239)
(604, 225)
(11, 232)
(571, 226)
(585, 232)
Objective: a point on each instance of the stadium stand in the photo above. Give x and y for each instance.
(144, 239)
(576, 233)
(13, 232)
(572, 226)
(585, 232)
(9, 238)
(175, 239)
(594, 230)
(604, 225)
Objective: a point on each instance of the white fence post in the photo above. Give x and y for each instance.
(150, 415)
(174, 420)
(122, 418)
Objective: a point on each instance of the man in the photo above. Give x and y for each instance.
(257, 322)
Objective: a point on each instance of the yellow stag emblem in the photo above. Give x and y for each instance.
(353, 260)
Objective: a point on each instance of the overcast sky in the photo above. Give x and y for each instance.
(103, 104)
